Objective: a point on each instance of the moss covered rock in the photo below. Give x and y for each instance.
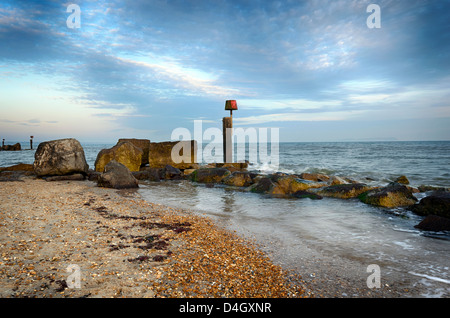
(391, 196)
(209, 175)
(239, 179)
(287, 185)
(344, 191)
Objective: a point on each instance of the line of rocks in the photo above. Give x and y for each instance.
(64, 159)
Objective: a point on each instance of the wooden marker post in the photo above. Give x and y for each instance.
(228, 132)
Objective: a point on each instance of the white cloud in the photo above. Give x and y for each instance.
(196, 81)
(298, 117)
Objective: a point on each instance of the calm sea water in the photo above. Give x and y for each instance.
(344, 235)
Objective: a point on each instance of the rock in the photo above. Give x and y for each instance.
(60, 157)
(391, 196)
(18, 167)
(344, 191)
(305, 194)
(239, 179)
(263, 185)
(314, 177)
(335, 180)
(434, 223)
(209, 175)
(437, 203)
(93, 175)
(117, 176)
(286, 185)
(232, 166)
(14, 147)
(402, 180)
(187, 172)
(160, 154)
(124, 152)
(412, 189)
(150, 174)
(6, 176)
(144, 144)
(172, 173)
(73, 177)
(425, 188)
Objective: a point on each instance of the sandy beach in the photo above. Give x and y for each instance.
(114, 244)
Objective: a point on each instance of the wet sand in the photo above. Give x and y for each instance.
(74, 239)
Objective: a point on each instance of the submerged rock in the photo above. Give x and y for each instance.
(117, 176)
(390, 196)
(209, 175)
(344, 191)
(437, 203)
(60, 157)
(124, 152)
(434, 223)
(305, 194)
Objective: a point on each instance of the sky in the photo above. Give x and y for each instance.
(140, 69)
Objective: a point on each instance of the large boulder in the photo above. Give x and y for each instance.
(117, 176)
(434, 223)
(391, 196)
(144, 144)
(344, 191)
(178, 154)
(124, 152)
(436, 203)
(209, 175)
(60, 157)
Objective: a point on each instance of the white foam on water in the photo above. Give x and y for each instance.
(442, 280)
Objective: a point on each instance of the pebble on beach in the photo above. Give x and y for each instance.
(123, 246)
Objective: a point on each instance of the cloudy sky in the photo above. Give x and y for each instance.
(313, 69)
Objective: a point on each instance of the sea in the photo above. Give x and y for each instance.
(364, 249)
